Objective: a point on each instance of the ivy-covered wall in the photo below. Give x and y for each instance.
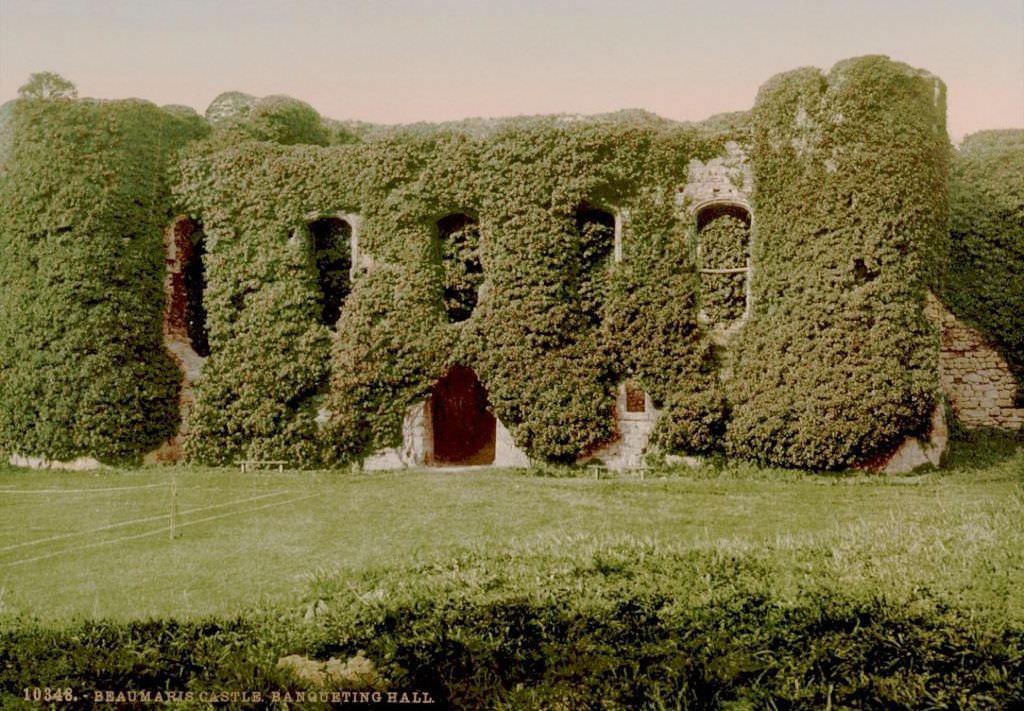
(490, 244)
(838, 362)
(84, 199)
(551, 332)
(985, 284)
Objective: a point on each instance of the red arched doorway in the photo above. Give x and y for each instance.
(463, 427)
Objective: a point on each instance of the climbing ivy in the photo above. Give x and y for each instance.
(316, 361)
(723, 245)
(84, 200)
(656, 339)
(459, 246)
(839, 362)
(986, 284)
(278, 384)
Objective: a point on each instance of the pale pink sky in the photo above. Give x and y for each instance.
(396, 61)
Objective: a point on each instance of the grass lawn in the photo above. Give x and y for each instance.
(97, 545)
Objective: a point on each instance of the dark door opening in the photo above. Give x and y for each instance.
(464, 429)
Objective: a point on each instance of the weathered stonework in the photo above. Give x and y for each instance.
(726, 178)
(915, 452)
(977, 380)
(506, 453)
(417, 449)
(80, 464)
(628, 450)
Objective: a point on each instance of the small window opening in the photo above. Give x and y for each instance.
(332, 254)
(459, 246)
(596, 229)
(636, 401)
(195, 283)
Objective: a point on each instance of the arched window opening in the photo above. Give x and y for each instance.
(332, 254)
(596, 229)
(186, 313)
(464, 430)
(458, 237)
(723, 246)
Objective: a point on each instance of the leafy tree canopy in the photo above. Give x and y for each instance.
(47, 85)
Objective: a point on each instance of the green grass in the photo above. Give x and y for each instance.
(729, 586)
(268, 539)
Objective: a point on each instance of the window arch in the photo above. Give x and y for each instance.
(332, 255)
(458, 245)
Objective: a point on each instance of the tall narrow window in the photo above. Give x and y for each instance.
(596, 228)
(459, 246)
(724, 245)
(186, 279)
(332, 253)
(195, 308)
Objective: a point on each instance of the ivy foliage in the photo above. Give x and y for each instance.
(986, 284)
(519, 292)
(84, 200)
(838, 361)
(491, 245)
(459, 244)
(724, 244)
(277, 119)
(332, 255)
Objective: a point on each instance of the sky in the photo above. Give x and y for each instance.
(399, 61)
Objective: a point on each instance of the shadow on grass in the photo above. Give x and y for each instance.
(983, 448)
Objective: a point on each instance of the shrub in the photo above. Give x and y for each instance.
(624, 626)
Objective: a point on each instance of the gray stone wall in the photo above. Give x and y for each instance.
(977, 380)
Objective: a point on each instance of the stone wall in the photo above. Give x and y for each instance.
(977, 380)
(628, 450)
(725, 178)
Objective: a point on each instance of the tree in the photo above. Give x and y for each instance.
(47, 85)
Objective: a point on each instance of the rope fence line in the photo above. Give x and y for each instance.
(78, 491)
(147, 519)
(156, 532)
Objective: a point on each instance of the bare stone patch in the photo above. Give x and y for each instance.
(981, 388)
(79, 464)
